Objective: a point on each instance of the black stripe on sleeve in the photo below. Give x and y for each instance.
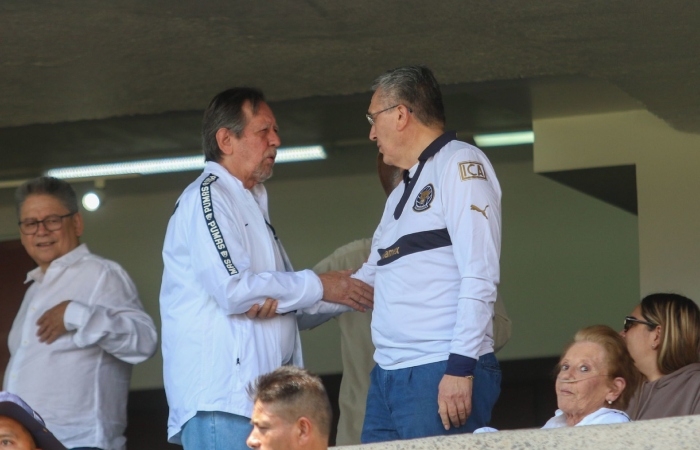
(414, 243)
(214, 231)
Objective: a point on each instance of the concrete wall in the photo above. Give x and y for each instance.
(678, 433)
(667, 162)
(568, 260)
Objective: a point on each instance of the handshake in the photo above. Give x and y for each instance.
(338, 287)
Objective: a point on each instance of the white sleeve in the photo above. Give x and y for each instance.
(319, 313)
(113, 319)
(473, 217)
(223, 265)
(368, 270)
(348, 257)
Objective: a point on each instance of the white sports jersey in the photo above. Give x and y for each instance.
(435, 259)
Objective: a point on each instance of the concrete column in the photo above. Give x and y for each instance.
(668, 184)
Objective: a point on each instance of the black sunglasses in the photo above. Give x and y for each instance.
(630, 321)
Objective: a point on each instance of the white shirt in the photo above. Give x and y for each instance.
(79, 384)
(602, 416)
(435, 269)
(221, 258)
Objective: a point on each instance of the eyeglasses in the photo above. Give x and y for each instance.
(370, 117)
(630, 321)
(51, 223)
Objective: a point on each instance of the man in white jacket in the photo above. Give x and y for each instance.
(222, 259)
(80, 328)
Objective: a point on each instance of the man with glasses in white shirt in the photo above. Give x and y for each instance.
(80, 328)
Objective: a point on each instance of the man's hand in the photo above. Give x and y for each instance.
(454, 400)
(51, 325)
(338, 287)
(266, 311)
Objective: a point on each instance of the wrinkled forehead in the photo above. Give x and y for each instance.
(589, 352)
(263, 112)
(380, 98)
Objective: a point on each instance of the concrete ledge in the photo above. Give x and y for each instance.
(662, 434)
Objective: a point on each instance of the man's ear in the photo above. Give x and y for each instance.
(78, 224)
(402, 120)
(225, 139)
(304, 429)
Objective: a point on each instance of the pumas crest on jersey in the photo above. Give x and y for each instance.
(425, 197)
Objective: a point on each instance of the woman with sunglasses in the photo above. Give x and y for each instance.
(663, 337)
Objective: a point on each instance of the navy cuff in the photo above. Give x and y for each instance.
(460, 366)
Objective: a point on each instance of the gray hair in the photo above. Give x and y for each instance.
(417, 88)
(54, 187)
(226, 111)
(295, 393)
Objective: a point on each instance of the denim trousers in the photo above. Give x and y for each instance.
(402, 403)
(215, 430)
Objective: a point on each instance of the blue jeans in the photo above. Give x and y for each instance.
(215, 430)
(402, 404)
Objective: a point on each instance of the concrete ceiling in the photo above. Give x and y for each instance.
(93, 81)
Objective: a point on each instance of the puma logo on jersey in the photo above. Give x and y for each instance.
(482, 211)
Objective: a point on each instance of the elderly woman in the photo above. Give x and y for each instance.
(663, 337)
(595, 380)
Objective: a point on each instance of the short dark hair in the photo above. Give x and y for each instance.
(54, 187)
(679, 318)
(226, 111)
(295, 393)
(417, 88)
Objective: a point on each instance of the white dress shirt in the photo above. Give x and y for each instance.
(79, 383)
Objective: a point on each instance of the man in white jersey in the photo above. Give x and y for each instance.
(222, 259)
(356, 346)
(435, 269)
